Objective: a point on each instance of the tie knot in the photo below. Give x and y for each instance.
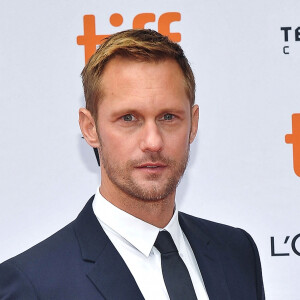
(164, 243)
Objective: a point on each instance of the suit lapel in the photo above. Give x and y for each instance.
(109, 273)
(112, 277)
(207, 256)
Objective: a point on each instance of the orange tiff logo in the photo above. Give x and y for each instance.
(90, 39)
(294, 139)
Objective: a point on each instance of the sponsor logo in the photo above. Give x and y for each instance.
(292, 247)
(294, 139)
(289, 34)
(90, 40)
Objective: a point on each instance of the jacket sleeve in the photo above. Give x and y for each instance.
(259, 279)
(14, 284)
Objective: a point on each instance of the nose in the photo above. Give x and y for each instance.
(151, 138)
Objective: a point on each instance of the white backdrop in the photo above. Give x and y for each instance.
(241, 169)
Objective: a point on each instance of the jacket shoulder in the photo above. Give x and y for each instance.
(219, 233)
(57, 245)
(20, 275)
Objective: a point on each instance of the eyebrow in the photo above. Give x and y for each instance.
(124, 111)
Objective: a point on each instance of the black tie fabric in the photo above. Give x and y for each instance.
(175, 272)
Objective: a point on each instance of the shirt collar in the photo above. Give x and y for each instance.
(138, 233)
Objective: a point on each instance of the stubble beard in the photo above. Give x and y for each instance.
(120, 175)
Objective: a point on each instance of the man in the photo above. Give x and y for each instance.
(130, 242)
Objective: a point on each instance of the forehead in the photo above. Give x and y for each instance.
(123, 75)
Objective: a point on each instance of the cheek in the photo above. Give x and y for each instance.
(177, 143)
(180, 136)
(116, 144)
(109, 137)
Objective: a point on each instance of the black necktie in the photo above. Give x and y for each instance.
(175, 272)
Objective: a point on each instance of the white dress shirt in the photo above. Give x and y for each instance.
(134, 240)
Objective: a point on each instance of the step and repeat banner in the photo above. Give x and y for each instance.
(244, 168)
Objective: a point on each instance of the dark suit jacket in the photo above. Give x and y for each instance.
(80, 262)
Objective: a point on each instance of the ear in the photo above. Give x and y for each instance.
(88, 128)
(195, 119)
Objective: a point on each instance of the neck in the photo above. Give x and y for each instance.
(154, 212)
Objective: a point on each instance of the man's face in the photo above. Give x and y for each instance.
(145, 126)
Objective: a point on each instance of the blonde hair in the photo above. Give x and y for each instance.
(140, 45)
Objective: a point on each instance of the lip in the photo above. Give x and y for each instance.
(152, 168)
(151, 165)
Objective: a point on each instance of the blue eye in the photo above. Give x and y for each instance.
(128, 118)
(168, 117)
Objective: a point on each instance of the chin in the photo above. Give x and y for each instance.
(149, 194)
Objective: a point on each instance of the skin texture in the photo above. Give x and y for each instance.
(144, 128)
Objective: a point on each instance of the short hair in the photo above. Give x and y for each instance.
(144, 45)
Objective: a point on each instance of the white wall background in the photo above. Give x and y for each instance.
(241, 169)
